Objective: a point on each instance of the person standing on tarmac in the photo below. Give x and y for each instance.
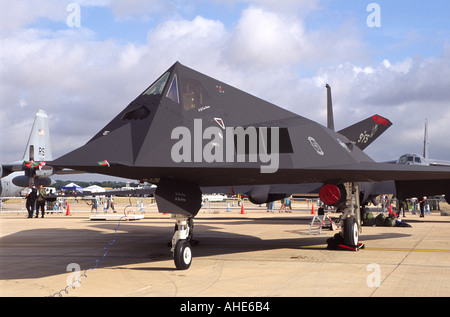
(40, 201)
(422, 206)
(31, 200)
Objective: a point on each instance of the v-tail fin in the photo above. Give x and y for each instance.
(363, 133)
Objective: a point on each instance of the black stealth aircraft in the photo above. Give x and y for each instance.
(188, 131)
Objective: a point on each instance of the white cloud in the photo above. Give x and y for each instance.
(83, 83)
(264, 39)
(407, 93)
(20, 13)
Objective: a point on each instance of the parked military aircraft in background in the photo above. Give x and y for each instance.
(424, 159)
(188, 131)
(18, 175)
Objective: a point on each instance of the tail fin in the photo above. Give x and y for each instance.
(330, 117)
(39, 147)
(363, 133)
(425, 141)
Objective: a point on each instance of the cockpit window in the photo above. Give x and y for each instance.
(193, 94)
(158, 86)
(172, 93)
(405, 159)
(412, 159)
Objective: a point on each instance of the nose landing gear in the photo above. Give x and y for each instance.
(181, 248)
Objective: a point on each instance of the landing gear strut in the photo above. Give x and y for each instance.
(350, 222)
(351, 216)
(181, 248)
(184, 200)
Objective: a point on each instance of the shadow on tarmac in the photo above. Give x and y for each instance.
(39, 253)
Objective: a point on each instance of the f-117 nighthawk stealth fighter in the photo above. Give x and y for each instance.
(188, 131)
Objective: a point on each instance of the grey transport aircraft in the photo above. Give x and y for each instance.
(409, 188)
(417, 159)
(16, 176)
(188, 131)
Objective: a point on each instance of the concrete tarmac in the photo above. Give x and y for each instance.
(256, 254)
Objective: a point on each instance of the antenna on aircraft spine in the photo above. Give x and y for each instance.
(330, 117)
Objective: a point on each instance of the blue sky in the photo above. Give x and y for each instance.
(407, 26)
(281, 51)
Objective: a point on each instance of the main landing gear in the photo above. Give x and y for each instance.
(181, 246)
(345, 196)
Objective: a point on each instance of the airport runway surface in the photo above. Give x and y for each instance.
(257, 254)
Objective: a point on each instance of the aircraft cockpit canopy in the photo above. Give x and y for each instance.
(412, 159)
(158, 86)
(187, 91)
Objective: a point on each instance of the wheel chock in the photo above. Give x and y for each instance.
(349, 248)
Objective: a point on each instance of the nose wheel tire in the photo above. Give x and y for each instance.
(182, 255)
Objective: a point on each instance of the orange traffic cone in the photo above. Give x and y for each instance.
(242, 209)
(312, 210)
(68, 210)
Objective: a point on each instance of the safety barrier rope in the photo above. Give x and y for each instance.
(78, 280)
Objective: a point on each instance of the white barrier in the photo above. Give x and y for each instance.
(78, 204)
(12, 205)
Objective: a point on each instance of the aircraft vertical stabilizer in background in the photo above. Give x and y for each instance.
(425, 141)
(18, 175)
(39, 146)
(431, 187)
